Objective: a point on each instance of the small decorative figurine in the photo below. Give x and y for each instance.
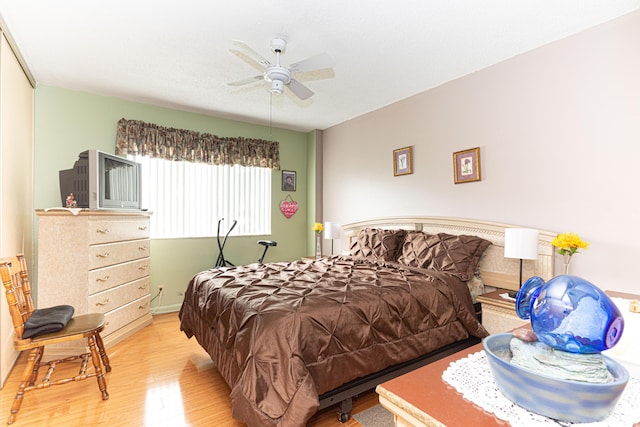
(71, 201)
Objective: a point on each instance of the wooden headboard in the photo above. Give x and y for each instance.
(496, 270)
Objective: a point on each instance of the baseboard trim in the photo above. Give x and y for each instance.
(163, 309)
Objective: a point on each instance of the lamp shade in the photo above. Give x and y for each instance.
(521, 243)
(331, 230)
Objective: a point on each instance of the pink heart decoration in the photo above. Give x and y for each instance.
(288, 208)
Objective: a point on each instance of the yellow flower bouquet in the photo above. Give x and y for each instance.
(318, 227)
(568, 244)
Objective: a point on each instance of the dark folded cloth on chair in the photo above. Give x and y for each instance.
(46, 320)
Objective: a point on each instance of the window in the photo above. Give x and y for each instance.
(191, 179)
(187, 199)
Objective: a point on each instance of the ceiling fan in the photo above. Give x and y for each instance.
(278, 76)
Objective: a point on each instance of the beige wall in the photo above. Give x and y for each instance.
(559, 133)
(16, 183)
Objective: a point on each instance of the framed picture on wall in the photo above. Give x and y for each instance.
(403, 161)
(288, 180)
(466, 166)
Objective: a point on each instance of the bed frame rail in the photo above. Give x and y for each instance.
(346, 392)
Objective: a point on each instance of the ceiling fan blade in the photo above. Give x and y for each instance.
(252, 53)
(300, 90)
(246, 81)
(317, 62)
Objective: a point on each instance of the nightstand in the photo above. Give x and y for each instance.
(498, 313)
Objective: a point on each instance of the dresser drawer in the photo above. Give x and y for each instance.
(114, 253)
(121, 316)
(108, 277)
(117, 230)
(113, 298)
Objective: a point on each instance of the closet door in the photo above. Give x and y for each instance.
(16, 181)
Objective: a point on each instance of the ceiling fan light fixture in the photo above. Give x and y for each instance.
(277, 73)
(277, 87)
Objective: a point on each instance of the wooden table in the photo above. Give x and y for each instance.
(422, 398)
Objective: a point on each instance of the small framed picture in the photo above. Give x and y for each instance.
(288, 180)
(402, 161)
(466, 166)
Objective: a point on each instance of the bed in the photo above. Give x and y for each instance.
(291, 338)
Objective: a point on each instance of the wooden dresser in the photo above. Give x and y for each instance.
(96, 261)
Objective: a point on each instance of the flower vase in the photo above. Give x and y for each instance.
(318, 247)
(567, 260)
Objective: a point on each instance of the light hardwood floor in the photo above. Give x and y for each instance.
(159, 378)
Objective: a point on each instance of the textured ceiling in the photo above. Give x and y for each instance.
(177, 53)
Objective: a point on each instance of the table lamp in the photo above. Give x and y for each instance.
(332, 231)
(520, 243)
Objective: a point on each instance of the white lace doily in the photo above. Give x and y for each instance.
(471, 377)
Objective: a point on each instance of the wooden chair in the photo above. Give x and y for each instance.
(18, 289)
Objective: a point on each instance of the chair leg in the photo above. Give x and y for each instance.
(103, 353)
(36, 366)
(95, 358)
(27, 376)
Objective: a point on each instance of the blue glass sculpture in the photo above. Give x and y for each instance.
(570, 314)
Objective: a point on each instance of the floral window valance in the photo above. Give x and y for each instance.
(135, 137)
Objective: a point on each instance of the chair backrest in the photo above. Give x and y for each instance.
(15, 279)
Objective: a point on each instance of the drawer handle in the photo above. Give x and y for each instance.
(104, 255)
(143, 248)
(142, 227)
(143, 287)
(103, 303)
(143, 306)
(102, 279)
(102, 231)
(143, 267)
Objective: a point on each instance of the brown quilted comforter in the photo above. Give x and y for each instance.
(284, 333)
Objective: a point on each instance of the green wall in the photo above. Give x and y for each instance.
(68, 122)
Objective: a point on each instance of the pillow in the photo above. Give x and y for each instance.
(416, 250)
(378, 244)
(457, 255)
